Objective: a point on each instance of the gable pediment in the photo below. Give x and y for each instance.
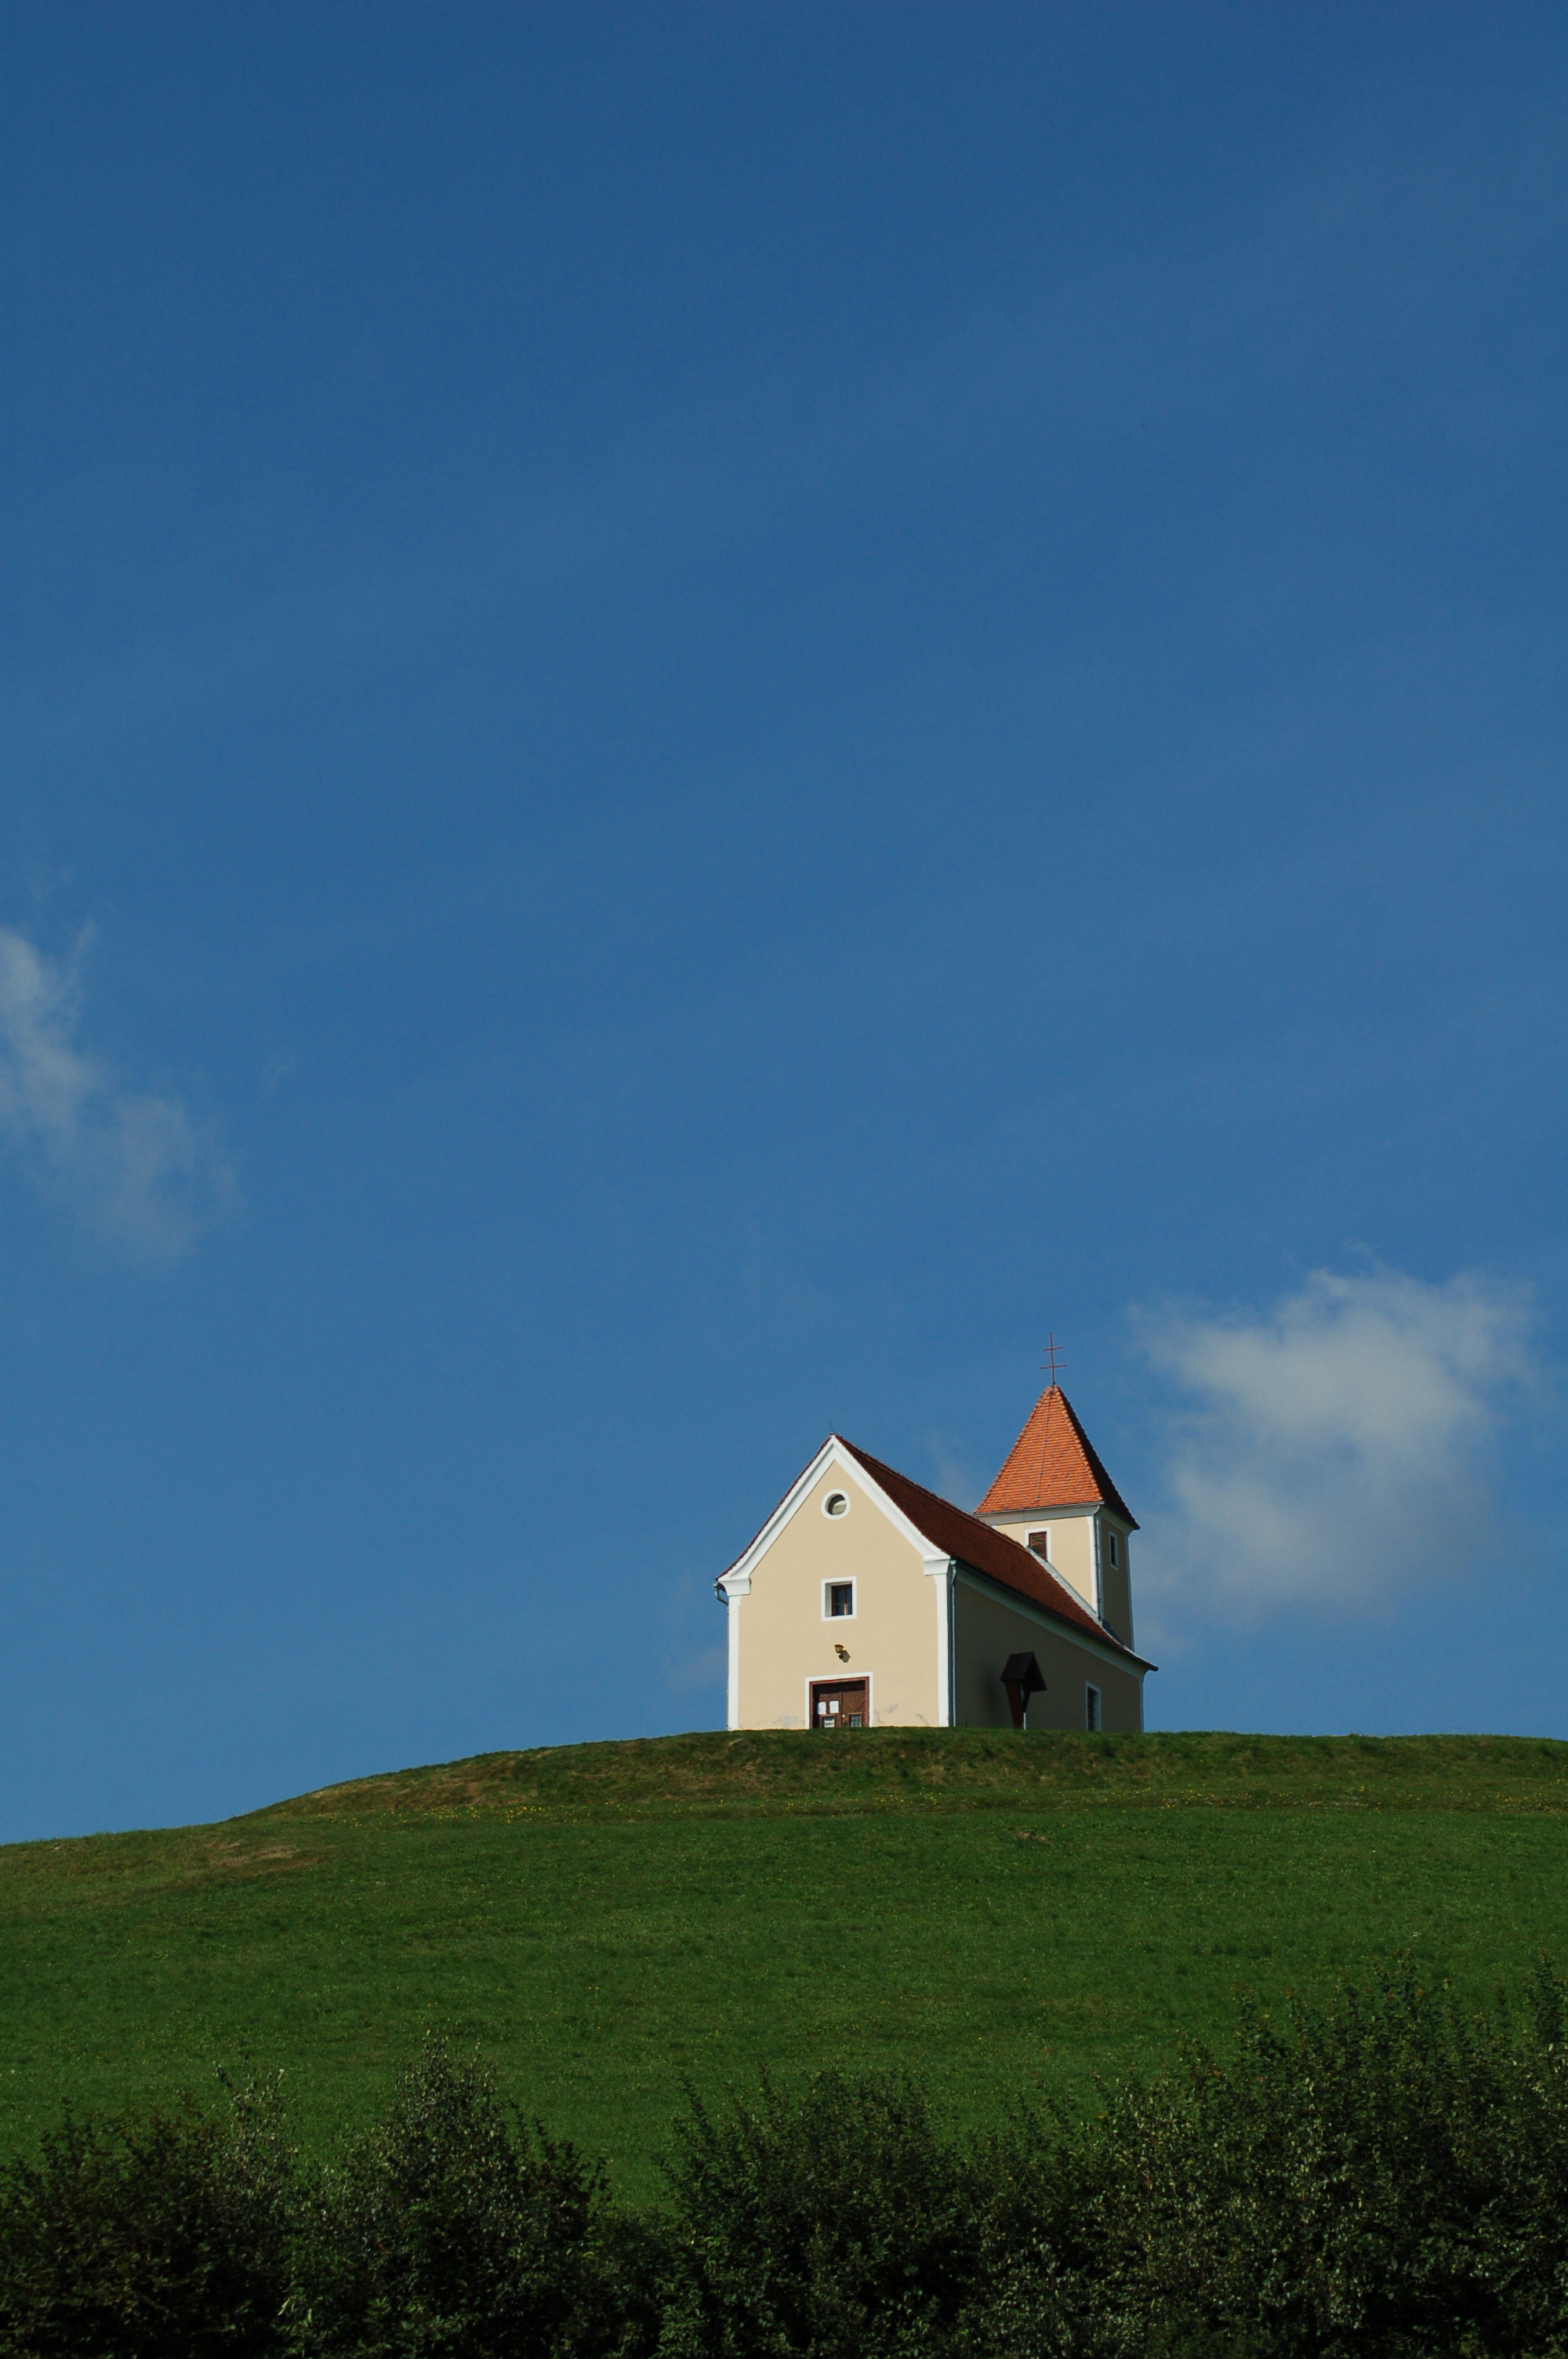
(834, 1463)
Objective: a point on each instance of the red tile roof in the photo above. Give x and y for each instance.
(1052, 1464)
(993, 1553)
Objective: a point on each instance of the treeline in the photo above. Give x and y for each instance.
(1381, 2177)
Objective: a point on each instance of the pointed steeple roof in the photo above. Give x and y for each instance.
(1052, 1464)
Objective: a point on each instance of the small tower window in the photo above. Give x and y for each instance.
(1113, 1544)
(1091, 1708)
(836, 1504)
(839, 1598)
(1040, 1542)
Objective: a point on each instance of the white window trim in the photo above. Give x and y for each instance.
(838, 1492)
(852, 1586)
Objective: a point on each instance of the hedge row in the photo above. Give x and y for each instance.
(1381, 2177)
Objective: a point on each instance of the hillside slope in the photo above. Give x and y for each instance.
(764, 1770)
(998, 1912)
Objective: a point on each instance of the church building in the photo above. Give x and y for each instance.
(867, 1602)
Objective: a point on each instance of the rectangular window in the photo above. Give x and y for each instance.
(1040, 1543)
(1111, 1538)
(841, 1599)
(1091, 1707)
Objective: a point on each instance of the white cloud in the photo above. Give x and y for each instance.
(1336, 1451)
(130, 1163)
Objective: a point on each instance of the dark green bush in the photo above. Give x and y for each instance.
(454, 2229)
(158, 2238)
(1382, 2178)
(835, 2222)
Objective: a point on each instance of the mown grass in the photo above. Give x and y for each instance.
(1002, 1913)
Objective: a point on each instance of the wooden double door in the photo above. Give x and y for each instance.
(839, 1703)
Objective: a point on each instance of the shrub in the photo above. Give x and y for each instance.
(835, 2222)
(453, 2229)
(1040, 2250)
(1382, 2178)
(163, 2237)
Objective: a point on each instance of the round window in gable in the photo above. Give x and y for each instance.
(836, 1504)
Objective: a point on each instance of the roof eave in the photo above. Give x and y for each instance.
(1100, 1637)
(1059, 1507)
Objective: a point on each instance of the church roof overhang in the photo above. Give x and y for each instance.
(1087, 1632)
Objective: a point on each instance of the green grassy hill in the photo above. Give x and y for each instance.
(1001, 1912)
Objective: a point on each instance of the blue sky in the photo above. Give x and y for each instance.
(707, 713)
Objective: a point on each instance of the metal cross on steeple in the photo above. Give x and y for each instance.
(1050, 1357)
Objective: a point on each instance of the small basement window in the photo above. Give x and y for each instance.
(1040, 1543)
(836, 1504)
(840, 1595)
(1091, 1707)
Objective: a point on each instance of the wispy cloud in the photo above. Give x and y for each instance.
(135, 1166)
(1334, 1451)
(955, 1472)
(704, 1667)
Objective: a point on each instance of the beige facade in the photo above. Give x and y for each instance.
(862, 1575)
(785, 1637)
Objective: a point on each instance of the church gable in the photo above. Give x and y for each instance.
(835, 1464)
